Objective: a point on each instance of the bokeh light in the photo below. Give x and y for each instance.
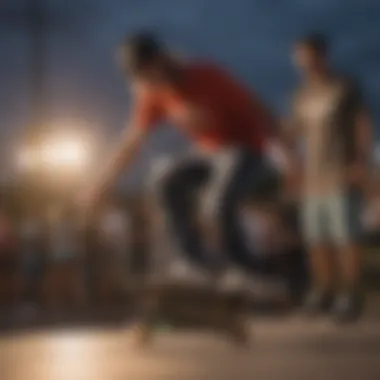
(65, 153)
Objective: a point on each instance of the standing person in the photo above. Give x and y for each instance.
(230, 126)
(328, 112)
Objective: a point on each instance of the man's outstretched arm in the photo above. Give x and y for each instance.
(144, 115)
(120, 160)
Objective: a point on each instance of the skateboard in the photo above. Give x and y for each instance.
(182, 306)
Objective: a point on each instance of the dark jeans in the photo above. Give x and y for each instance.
(244, 172)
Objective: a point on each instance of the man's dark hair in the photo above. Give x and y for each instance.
(140, 50)
(316, 41)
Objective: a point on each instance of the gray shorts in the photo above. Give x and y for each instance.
(332, 219)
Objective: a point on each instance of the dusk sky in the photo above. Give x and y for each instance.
(251, 37)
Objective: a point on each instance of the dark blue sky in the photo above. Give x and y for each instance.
(252, 37)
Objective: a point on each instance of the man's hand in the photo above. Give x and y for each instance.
(120, 160)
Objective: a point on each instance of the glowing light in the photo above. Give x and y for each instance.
(67, 153)
(70, 354)
(61, 156)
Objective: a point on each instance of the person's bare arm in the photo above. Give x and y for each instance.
(144, 114)
(291, 131)
(363, 135)
(363, 147)
(289, 138)
(124, 153)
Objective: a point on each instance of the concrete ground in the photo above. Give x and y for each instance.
(289, 348)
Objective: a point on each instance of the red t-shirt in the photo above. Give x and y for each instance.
(209, 106)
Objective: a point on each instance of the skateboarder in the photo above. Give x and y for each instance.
(230, 127)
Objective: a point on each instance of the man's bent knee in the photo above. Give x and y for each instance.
(159, 176)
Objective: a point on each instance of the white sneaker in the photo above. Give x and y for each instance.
(234, 280)
(184, 272)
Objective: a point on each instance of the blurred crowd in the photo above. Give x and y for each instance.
(51, 261)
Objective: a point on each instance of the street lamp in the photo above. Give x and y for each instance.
(68, 155)
(56, 166)
(57, 153)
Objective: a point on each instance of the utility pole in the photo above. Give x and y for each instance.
(37, 27)
(33, 19)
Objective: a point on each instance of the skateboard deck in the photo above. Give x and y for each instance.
(184, 305)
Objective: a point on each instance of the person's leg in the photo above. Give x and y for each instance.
(296, 273)
(351, 266)
(229, 189)
(345, 212)
(177, 192)
(296, 256)
(319, 296)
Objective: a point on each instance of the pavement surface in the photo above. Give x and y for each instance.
(285, 349)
